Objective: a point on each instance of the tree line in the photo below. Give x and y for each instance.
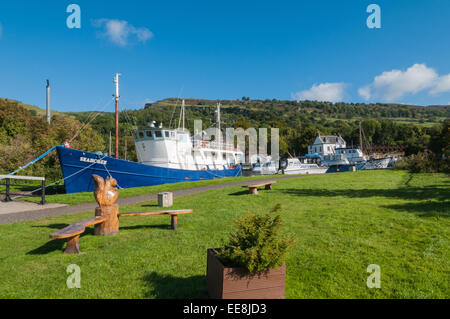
(24, 134)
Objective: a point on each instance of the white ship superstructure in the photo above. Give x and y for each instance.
(175, 148)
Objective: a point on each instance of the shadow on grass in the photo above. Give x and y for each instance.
(239, 193)
(170, 287)
(426, 209)
(436, 192)
(161, 226)
(52, 245)
(56, 244)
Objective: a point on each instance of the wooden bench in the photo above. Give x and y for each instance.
(72, 233)
(173, 214)
(253, 188)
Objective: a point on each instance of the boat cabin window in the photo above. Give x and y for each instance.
(149, 133)
(141, 134)
(166, 133)
(172, 134)
(158, 134)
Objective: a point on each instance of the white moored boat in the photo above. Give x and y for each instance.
(293, 166)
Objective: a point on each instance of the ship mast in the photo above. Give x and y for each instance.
(117, 97)
(219, 138)
(360, 138)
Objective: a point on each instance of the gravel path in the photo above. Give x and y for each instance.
(42, 213)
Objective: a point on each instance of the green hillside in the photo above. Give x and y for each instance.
(25, 134)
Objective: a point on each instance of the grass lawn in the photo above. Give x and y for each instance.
(343, 222)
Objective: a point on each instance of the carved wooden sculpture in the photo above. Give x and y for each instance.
(107, 215)
(106, 194)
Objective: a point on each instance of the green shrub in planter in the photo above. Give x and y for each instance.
(257, 245)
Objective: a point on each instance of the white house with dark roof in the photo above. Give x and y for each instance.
(326, 145)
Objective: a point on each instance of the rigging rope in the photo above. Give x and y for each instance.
(176, 104)
(89, 121)
(58, 181)
(32, 162)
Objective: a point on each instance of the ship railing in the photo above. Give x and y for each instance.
(213, 145)
(8, 185)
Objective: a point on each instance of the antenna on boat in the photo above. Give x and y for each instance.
(218, 126)
(183, 105)
(117, 97)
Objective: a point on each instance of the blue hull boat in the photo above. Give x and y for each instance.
(78, 166)
(345, 168)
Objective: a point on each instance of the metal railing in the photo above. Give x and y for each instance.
(213, 145)
(8, 185)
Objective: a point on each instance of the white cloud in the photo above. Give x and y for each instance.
(330, 92)
(365, 92)
(121, 33)
(442, 85)
(394, 84)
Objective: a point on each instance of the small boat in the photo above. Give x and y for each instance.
(380, 163)
(293, 166)
(260, 165)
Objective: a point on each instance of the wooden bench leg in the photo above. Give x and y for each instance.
(73, 245)
(174, 222)
(253, 190)
(268, 187)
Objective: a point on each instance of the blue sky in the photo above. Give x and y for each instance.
(225, 50)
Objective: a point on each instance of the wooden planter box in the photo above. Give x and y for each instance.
(237, 283)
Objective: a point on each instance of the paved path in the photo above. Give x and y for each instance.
(16, 207)
(9, 218)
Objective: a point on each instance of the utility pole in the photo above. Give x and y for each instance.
(117, 97)
(48, 103)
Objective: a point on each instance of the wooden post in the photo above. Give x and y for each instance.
(8, 197)
(73, 246)
(174, 222)
(111, 224)
(268, 186)
(43, 193)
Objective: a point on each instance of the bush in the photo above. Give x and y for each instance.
(424, 162)
(257, 245)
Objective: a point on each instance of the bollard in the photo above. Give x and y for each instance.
(165, 199)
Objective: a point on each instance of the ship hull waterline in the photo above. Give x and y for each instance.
(78, 166)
